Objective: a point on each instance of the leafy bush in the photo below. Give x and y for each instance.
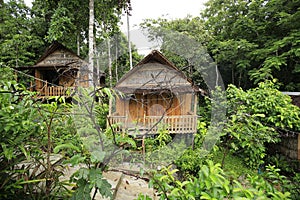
(255, 118)
(191, 161)
(19, 137)
(287, 168)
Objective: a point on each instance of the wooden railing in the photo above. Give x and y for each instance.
(56, 91)
(179, 124)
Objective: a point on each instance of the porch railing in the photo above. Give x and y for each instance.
(56, 91)
(179, 124)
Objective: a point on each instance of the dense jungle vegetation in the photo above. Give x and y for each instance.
(256, 46)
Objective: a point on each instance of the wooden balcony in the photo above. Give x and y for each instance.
(181, 124)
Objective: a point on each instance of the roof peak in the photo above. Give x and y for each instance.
(156, 56)
(55, 45)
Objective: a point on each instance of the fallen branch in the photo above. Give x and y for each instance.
(130, 174)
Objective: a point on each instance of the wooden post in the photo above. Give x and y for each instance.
(143, 146)
(31, 86)
(38, 83)
(195, 104)
(46, 89)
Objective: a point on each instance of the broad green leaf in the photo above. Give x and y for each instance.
(65, 146)
(97, 156)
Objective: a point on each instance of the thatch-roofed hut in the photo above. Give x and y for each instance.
(57, 71)
(155, 93)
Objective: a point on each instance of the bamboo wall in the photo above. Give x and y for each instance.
(290, 147)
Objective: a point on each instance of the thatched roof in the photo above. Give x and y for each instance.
(155, 73)
(57, 55)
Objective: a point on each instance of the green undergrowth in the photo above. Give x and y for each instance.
(232, 164)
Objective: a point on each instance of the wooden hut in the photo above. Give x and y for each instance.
(155, 93)
(58, 72)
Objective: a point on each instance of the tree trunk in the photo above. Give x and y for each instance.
(129, 42)
(116, 59)
(91, 42)
(109, 62)
(78, 44)
(110, 73)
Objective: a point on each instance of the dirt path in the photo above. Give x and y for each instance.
(124, 185)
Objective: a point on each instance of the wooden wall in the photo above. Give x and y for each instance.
(189, 104)
(67, 79)
(68, 66)
(137, 106)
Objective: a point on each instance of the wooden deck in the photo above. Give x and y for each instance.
(181, 124)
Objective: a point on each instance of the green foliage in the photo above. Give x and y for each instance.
(23, 30)
(282, 166)
(19, 133)
(163, 137)
(100, 145)
(212, 183)
(143, 197)
(256, 39)
(21, 147)
(30, 132)
(201, 133)
(61, 26)
(232, 164)
(68, 23)
(157, 156)
(158, 141)
(17, 43)
(191, 161)
(87, 179)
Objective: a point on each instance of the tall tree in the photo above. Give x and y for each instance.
(181, 35)
(250, 40)
(255, 40)
(17, 43)
(68, 23)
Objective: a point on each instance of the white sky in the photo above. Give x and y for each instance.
(153, 9)
(170, 9)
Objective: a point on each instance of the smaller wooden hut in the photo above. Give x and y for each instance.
(58, 72)
(155, 93)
